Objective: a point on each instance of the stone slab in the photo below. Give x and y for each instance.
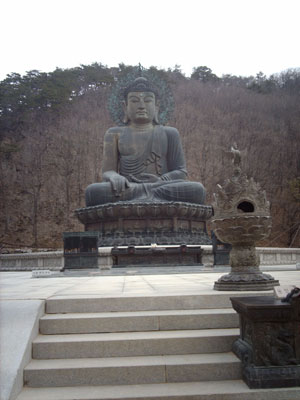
(137, 321)
(80, 304)
(134, 343)
(19, 326)
(222, 390)
(132, 370)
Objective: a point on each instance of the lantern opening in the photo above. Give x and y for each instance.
(246, 206)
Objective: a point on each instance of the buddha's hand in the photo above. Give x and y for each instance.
(145, 178)
(118, 182)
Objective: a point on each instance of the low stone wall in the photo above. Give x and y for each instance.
(278, 256)
(54, 260)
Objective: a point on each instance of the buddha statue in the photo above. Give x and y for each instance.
(143, 160)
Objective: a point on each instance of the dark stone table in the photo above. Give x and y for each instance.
(269, 343)
(221, 251)
(157, 256)
(80, 250)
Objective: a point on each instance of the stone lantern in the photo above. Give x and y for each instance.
(241, 218)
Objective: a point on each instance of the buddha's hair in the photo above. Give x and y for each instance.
(140, 84)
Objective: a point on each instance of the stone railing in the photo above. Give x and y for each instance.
(54, 260)
(278, 256)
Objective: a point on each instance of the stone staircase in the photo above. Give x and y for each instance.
(143, 347)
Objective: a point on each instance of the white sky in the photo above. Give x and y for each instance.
(240, 37)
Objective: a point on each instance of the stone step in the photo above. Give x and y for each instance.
(132, 370)
(134, 343)
(138, 321)
(95, 304)
(213, 390)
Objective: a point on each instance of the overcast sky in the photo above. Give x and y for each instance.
(240, 37)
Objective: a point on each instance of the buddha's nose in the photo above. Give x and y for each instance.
(141, 103)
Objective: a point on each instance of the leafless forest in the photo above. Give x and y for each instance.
(52, 128)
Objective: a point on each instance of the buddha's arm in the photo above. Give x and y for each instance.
(175, 157)
(110, 163)
(110, 152)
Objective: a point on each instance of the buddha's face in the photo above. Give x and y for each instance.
(141, 107)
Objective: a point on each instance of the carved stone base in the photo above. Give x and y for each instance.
(272, 377)
(245, 273)
(269, 343)
(245, 281)
(263, 377)
(142, 223)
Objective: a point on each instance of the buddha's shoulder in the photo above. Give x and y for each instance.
(170, 131)
(115, 130)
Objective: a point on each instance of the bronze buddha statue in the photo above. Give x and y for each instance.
(143, 161)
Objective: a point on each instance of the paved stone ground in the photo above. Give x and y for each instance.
(22, 300)
(20, 285)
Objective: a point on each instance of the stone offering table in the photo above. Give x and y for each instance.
(80, 250)
(157, 256)
(220, 251)
(269, 343)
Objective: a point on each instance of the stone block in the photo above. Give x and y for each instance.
(138, 321)
(134, 344)
(93, 372)
(216, 390)
(89, 323)
(205, 367)
(57, 304)
(132, 370)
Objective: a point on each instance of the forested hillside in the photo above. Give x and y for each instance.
(52, 127)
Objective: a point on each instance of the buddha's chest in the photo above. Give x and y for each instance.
(131, 143)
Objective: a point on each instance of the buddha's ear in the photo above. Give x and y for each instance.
(156, 114)
(125, 118)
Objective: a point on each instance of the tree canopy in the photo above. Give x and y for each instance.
(52, 126)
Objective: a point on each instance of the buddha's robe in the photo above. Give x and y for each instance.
(162, 156)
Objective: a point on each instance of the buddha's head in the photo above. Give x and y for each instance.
(140, 102)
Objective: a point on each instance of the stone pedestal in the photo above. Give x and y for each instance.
(105, 259)
(269, 343)
(144, 223)
(245, 273)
